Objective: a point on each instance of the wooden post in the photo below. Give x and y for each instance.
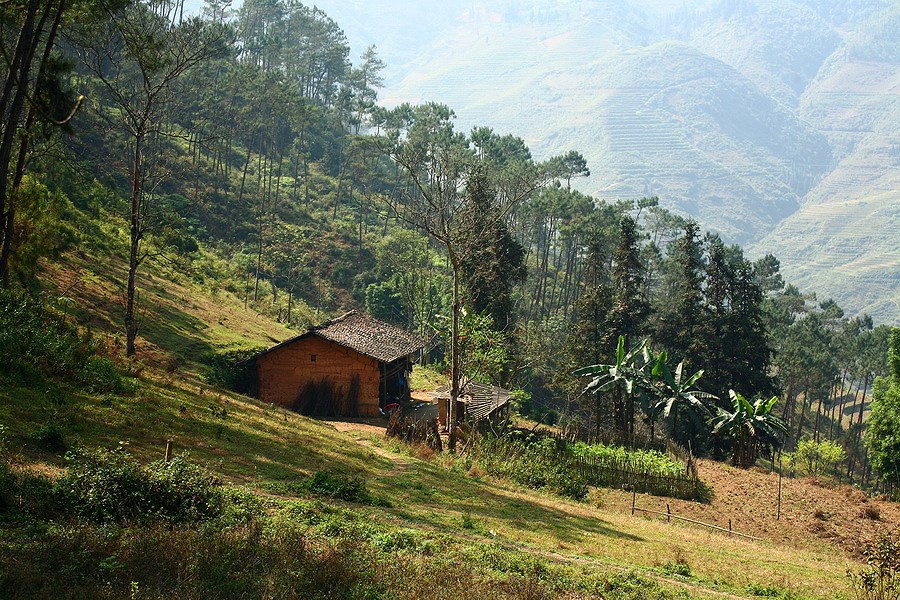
(668, 513)
(168, 450)
(633, 499)
(729, 526)
(435, 430)
(778, 513)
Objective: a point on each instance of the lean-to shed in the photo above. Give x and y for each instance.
(349, 367)
(477, 402)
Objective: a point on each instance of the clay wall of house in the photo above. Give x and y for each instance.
(285, 373)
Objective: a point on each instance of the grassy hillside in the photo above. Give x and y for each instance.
(426, 526)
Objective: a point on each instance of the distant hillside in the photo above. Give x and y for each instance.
(772, 122)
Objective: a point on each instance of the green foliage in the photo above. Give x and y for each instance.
(484, 351)
(649, 462)
(385, 301)
(881, 580)
(882, 437)
(674, 392)
(108, 486)
(632, 586)
(538, 464)
(815, 458)
(622, 380)
(752, 426)
(339, 486)
(329, 484)
(649, 471)
(230, 369)
(492, 261)
(504, 560)
(100, 374)
(403, 540)
(677, 568)
(41, 227)
(38, 340)
(49, 437)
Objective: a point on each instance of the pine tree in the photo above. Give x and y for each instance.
(628, 315)
(590, 340)
(680, 326)
(491, 261)
(630, 307)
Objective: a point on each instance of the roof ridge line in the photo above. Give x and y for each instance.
(331, 322)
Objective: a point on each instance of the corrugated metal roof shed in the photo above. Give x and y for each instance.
(481, 400)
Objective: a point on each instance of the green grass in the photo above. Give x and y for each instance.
(267, 449)
(426, 378)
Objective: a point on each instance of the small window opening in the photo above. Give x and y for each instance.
(312, 358)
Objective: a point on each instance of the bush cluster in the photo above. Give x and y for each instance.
(338, 486)
(349, 488)
(535, 463)
(108, 486)
(227, 369)
(814, 458)
(881, 579)
(38, 341)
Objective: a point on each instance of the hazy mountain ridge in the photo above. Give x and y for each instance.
(772, 122)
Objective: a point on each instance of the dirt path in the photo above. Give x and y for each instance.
(362, 430)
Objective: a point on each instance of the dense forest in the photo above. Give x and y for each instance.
(243, 150)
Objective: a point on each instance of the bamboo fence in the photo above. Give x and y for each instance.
(607, 472)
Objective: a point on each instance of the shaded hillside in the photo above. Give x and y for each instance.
(705, 139)
(737, 113)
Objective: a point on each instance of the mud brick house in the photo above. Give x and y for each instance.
(348, 367)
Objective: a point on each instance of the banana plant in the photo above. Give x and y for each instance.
(752, 426)
(675, 393)
(622, 379)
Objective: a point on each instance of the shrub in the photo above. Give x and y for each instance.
(871, 512)
(814, 458)
(99, 374)
(109, 486)
(49, 437)
(338, 486)
(632, 585)
(227, 369)
(535, 463)
(676, 568)
(403, 540)
(881, 580)
(37, 341)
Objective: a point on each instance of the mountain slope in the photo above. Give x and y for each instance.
(739, 114)
(430, 508)
(843, 240)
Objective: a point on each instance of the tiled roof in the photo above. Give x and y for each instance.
(360, 332)
(369, 336)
